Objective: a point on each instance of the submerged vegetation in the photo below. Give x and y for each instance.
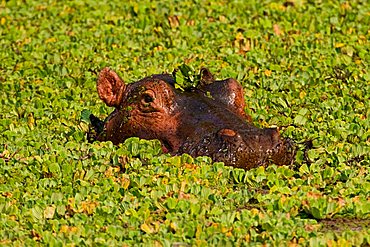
(304, 66)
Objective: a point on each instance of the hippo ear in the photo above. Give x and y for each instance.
(206, 77)
(110, 87)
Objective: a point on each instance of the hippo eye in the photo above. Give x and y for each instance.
(147, 98)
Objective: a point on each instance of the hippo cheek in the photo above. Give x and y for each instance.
(129, 124)
(156, 125)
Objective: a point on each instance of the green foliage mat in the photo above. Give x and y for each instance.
(303, 65)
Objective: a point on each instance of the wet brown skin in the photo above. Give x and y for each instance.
(207, 120)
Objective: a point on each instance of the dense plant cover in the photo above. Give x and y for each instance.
(304, 66)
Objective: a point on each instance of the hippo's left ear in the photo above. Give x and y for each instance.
(110, 87)
(206, 77)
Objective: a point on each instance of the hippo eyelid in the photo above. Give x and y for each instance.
(147, 97)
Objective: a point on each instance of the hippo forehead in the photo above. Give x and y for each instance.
(157, 83)
(160, 86)
(157, 78)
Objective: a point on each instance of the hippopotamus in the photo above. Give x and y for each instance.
(206, 120)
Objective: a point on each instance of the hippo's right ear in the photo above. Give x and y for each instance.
(110, 87)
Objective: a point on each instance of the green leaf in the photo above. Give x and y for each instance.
(85, 116)
(54, 168)
(37, 213)
(171, 203)
(316, 213)
(185, 77)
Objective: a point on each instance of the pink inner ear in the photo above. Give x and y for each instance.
(110, 87)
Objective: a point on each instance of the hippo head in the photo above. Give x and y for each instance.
(208, 119)
(144, 109)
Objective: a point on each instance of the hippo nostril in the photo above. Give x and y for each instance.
(227, 132)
